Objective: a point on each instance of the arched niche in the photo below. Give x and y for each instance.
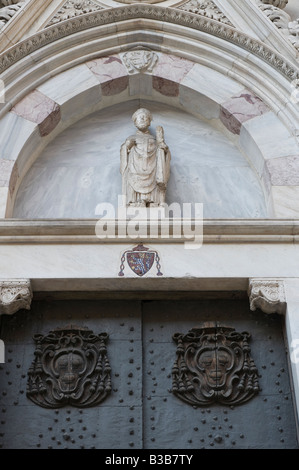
(206, 69)
(80, 168)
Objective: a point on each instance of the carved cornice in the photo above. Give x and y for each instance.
(267, 295)
(15, 295)
(152, 12)
(80, 231)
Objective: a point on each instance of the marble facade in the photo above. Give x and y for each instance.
(224, 94)
(101, 83)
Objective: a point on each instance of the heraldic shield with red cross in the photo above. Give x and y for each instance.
(140, 259)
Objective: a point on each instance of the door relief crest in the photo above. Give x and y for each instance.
(214, 365)
(71, 367)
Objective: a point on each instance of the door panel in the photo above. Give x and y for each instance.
(117, 422)
(141, 411)
(267, 420)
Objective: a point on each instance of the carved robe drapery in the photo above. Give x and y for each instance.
(144, 169)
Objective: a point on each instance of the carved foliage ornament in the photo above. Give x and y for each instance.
(276, 3)
(267, 295)
(71, 367)
(8, 8)
(213, 365)
(282, 20)
(73, 8)
(15, 295)
(206, 8)
(108, 16)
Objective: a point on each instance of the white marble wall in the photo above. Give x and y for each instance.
(80, 168)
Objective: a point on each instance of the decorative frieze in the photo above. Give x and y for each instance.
(15, 295)
(267, 295)
(206, 8)
(140, 1)
(73, 8)
(168, 15)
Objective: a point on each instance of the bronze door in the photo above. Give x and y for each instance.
(106, 378)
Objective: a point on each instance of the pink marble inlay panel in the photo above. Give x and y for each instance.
(107, 68)
(240, 109)
(39, 108)
(113, 87)
(168, 74)
(284, 171)
(172, 68)
(166, 87)
(111, 73)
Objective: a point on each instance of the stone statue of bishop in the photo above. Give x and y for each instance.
(144, 164)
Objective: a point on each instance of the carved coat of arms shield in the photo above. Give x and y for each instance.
(140, 259)
(140, 262)
(140, 60)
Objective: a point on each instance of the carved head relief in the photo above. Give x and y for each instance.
(70, 368)
(214, 365)
(142, 118)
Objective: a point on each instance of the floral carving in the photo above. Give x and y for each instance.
(73, 8)
(8, 8)
(15, 295)
(267, 295)
(273, 10)
(206, 8)
(170, 15)
(276, 3)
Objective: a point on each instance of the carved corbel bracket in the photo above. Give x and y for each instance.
(15, 295)
(267, 295)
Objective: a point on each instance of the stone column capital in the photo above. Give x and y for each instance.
(15, 294)
(267, 294)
